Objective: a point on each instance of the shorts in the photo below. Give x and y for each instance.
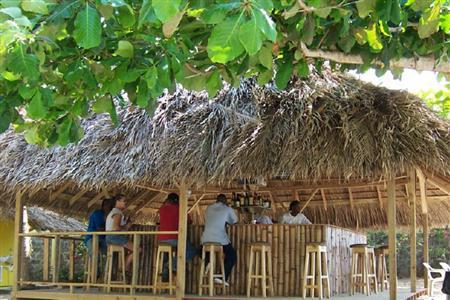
(119, 240)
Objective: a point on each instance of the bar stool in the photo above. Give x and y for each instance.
(362, 272)
(316, 257)
(264, 251)
(158, 284)
(382, 271)
(212, 249)
(112, 249)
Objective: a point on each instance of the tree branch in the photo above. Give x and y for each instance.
(423, 63)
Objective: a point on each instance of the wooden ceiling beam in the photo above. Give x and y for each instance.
(423, 190)
(309, 200)
(380, 200)
(77, 196)
(97, 197)
(136, 199)
(54, 195)
(196, 203)
(350, 197)
(438, 182)
(157, 197)
(324, 198)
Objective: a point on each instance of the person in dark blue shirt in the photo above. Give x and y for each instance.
(97, 223)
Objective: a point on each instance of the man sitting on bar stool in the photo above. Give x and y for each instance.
(294, 216)
(216, 217)
(168, 221)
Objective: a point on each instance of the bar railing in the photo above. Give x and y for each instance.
(57, 237)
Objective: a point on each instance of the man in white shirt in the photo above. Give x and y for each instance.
(217, 216)
(294, 216)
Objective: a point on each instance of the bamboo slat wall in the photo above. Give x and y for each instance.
(288, 253)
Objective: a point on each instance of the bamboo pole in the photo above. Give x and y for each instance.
(411, 188)
(392, 240)
(71, 259)
(426, 253)
(17, 244)
(45, 259)
(55, 259)
(182, 235)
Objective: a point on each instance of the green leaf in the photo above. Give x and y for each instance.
(164, 9)
(125, 49)
(88, 28)
(265, 4)
(114, 3)
(302, 68)
(224, 44)
(25, 64)
(308, 30)
(37, 109)
(35, 6)
(125, 16)
(429, 22)
(32, 136)
(146, 14)
(346, 43)
(106, 105)
(151, 76)
(265, 77)
(13, 12)
(360, 35)
(213, 83)
(444, 23)
(373, 38)
(421, 5)
(63, 131)
(265, 57)
(26, 92)
(283, 75)
(143, 94)
(250, 36)
(396, 15)
(81, 108)
(265, 24)
(365, 7)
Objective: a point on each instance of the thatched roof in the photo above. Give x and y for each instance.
(329, 128)
(42, 220)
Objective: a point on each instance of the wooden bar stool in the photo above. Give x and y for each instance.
(121, 278)
(158, 284)
(362, 272)
(382, 271)
(212, 249)
(264, 251)
(316, 258)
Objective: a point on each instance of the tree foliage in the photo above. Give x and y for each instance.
(438, 101)
(61, 60)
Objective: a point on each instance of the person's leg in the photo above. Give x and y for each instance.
(129, 259)
(191, 251)
(230, 259)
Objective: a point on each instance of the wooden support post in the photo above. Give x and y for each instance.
(411, 192)
(55, 259)
(71, 259)
(17, 244)
(94, 259)
(45, 260)
(134, 278)
(182, 236)
(392, 240)
(426, 250)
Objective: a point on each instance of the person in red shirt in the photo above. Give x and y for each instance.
(168, 221)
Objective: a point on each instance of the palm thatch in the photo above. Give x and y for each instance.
(327, 128)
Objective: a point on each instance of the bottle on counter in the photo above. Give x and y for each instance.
(251, 200)
(238, 201)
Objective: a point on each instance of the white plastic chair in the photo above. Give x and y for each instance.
(432, 281)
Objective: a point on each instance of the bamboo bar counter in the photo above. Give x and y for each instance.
(288, 250)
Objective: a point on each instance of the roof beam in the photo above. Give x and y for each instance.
(324, 198)
(159, 196)
(438, 182)
(423, 190)
(100, 195)
(197, 201)
(138, 198)
(350, 197)
(380, 200)
(77, 196)
(309, 200)
(54, 195)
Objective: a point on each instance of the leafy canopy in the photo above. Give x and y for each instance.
(61, 60)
